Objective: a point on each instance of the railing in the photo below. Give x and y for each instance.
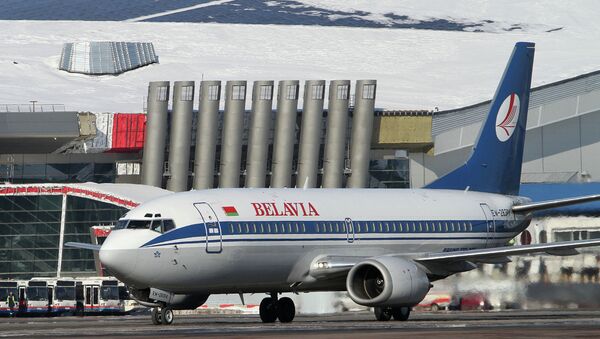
(33, 107)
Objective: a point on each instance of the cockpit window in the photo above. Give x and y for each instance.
(168, 225)
(136, 224)
(121, 224)
(157, 225)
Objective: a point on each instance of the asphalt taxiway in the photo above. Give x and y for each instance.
(492, 324)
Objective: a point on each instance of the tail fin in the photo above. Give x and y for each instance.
(496, 159)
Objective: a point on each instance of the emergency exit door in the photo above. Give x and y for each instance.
(214, 241)
(490, 223)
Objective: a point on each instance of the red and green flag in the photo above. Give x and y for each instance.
(230, 211)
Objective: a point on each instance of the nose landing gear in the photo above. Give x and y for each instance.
(272, 309)
(163, 315)
(386, 313)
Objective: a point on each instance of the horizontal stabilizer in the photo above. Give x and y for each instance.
(83, 245)
(553, 204)
(558, 248)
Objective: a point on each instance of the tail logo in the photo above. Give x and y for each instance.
(507, 117)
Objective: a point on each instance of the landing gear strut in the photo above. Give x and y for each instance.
(162, 315)
(272, 309)
(386, 313)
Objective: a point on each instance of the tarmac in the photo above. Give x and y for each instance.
(489, 324)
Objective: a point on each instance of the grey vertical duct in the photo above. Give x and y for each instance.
(156, 133)
(362, 130)
(310, 133)
(335, 135)
(231, 141)
(181, 135)
(285, 133)
(258, 139)
(206, 134)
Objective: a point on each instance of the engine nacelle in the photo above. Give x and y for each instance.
(387, 281)
(175, 301)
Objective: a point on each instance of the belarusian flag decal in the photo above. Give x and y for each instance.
(230, 211)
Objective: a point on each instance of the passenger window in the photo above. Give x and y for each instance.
(373, 227)
(303, 228)
(330, 228)
(297, 229)
(414, 227)
(317, 227)
(452, 226)
(380, 227)
(420, 227)
(289, 228)
(253, 228)
(446, 226)
(439, 226)
(387, 227)
(239, 227)
(470, 227)
(337, 228)
(168, 225)
(262, 228)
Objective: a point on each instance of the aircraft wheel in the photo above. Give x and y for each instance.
(166, 315)
(383, 313)
(268, 310)
(156, 316)
(286, 310)
(401, 313)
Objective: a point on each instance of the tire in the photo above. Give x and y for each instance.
(286, 311)
(435, 308)
(156, 316)
(167, 316)
(382, 313)
(401, 313)
(268, 310)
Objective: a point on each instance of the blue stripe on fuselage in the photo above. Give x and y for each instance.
(321, 228)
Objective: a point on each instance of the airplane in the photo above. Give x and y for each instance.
(384, 247)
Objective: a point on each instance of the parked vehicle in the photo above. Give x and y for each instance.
(470, 301)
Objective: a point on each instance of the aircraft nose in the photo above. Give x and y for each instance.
(118, 255)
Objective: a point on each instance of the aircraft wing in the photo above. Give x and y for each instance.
(556, 248)
(83, 245)
(553, 203)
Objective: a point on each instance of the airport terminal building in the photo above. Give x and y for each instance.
(202, 135)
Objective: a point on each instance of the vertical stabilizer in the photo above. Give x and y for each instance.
(495, 163)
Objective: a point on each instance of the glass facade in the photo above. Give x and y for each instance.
(389, 173)
(19, 173)
(30, 229)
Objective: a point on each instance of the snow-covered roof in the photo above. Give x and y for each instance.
(124, 195)
(415, 69)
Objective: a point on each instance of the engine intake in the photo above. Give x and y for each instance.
(387, 281)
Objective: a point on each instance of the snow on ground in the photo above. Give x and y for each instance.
(416, 69)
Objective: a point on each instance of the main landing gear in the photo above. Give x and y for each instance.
(162, 315)
(386, 313)
(272, 309)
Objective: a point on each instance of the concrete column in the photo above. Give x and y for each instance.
(155, 134)
(258, 135)
(181, 135)
(206, 134)
(362, 131)
(335, 135)
(310, 133)
(285, 133)
(231, 141)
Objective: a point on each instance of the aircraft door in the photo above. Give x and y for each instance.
(490, 224)
(214, 241)
(349, 229)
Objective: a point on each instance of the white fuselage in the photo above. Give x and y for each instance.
(263, 240)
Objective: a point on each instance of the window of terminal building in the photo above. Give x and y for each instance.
(291, 92)
(214, 92)
(187, 93)
(162, 93)
(389, 173)
(342, 92)
(317, 92)
(265, 92)
(368, 91)
(238, 92)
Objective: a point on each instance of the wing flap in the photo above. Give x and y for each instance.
(83, 245)
(559, 248)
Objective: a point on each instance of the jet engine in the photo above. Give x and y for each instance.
(177, 301)
(387, 281)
